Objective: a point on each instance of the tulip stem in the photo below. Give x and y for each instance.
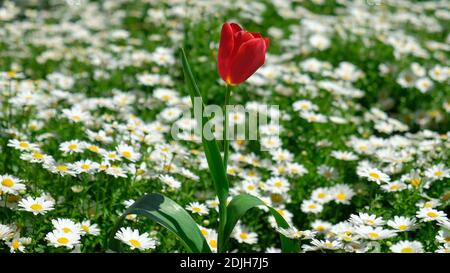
(226, 144)
(223, 205)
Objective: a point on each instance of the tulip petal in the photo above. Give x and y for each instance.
(249, 57)
(256, 34)
(240, 37)
(267, 41)
(235, 27)
(225, 49)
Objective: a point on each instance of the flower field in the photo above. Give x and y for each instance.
(99, 151)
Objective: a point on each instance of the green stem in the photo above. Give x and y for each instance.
(223, 203)
(226, 144)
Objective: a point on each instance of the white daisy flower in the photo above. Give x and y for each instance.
(170, 181)
(126, 151)
(59, 238)
(242, 235)
(407, 247)
(10, 184)
(134, 239)
(73, 146)
(196, 207)
(394, 186)
(38, 205)
(437, 172)
(430, 214)
(22, 145)
(373, 174)
(88, 228)
(309, 206)
(342, 193)
(321, 195)
(402, 223)
(6, 232)
(375, 233)
(66, 225)
(365, 219)
(343, 155)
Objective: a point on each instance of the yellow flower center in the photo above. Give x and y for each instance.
(402, 227)
(85, 167)
(395, 187)
(11, 73)
(37, 155)
(240, 142)
(135, 243)
(63, 240)
(243, 235)
(320, 228)
(126, 154)
(370, 222)
(407, 250)
(250, 187)
(62, 168)
(15, 244)
(432, 214)
(416, 182)
(72, 146)
(363, 148)
(321, 195)
(276, 198)
(24, 145)
(93, 148)
(7, 182)
(66, 230)
(278, 184)
(36, 207)
(312, 206)
(196, 209)
(438, 173)
(374, 175)
(373, 235)
(85, 228)
(204, 232)
(341, 196)
(213, 243)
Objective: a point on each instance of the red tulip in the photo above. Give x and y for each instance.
(241, 53)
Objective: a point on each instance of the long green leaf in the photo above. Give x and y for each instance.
(212, 152)
(170, 215)
(241, 204)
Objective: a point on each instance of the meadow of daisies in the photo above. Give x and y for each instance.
(358, 162)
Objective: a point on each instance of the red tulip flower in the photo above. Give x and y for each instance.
(241, 53)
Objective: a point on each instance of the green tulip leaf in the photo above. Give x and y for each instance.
(240, 204)
(170, 215)
(212, 152)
